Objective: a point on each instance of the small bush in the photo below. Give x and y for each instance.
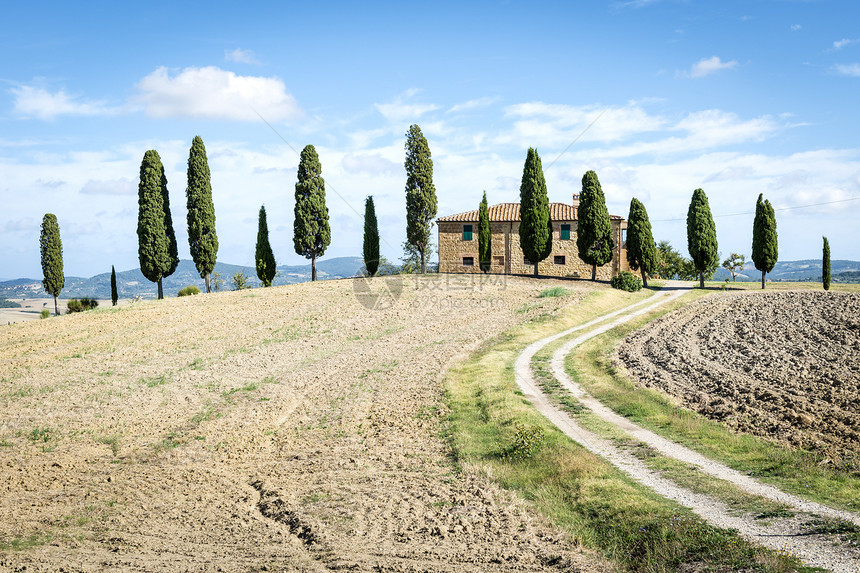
(240, 281)
(188, 291)
(528, 440)
(75, 305)
(45, 313)
(626, 281)
(552, 292)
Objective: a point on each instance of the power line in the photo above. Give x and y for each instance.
(780, 209)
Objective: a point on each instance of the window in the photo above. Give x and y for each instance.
(467, 232)
(623, 236)
(565, 232)
(468, 261)
(558, 259)
(527, 262)
(499, 261)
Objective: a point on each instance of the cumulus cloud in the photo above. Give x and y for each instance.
(708, 66)
(796, 27)
(36, 102)
(473, 104)
(23, 224)
(401, 110)
(241, 56)
(374, 164)
(213, 93)
(850, 70)
(111, 187)
(839, 44)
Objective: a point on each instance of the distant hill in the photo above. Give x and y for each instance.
(132, 283)
(808, 270)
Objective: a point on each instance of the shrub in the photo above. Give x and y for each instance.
(240, 281)
(528, 440)
(45, 313)
(75, 305)
(552, 292)
(626, 281)
(188, 291)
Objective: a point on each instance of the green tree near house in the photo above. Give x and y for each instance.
(420, 193)
(311, 232)
(264, 257)
(825, 264)
(535, 223)
(114, 294)
(765, 250)
(157, 249)
(641, 250)
(701, 235)
(485, 247)
(594, 227)
(201, 212)
(371, 238)
(51, 248)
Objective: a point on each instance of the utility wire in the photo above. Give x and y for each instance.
(780, 209)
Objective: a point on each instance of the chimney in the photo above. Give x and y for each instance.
(576, 205)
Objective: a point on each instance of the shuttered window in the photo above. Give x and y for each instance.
(565, 232)
(467, 232)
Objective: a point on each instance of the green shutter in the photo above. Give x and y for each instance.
(467, 232)
(565, 232)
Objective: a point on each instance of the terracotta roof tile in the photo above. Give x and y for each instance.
(504, 212)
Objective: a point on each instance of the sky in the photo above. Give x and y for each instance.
(659, 97)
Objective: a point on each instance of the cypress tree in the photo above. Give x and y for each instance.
(371, 238)
(114, 295)
(420, 192)
(266, 266)
(51, 248)
(594, 228)
(641, 250)
(825, 265)
(311, 232)
(485, 247)
(201, 212)
(701, 235)
(157, 249)
(764, 244)
(535, 223)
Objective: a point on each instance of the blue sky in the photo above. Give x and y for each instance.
(738, 98)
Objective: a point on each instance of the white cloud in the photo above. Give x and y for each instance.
(369, 163)
(37, 102)
(241, 56)
(839, 44)
(109, 187)
(708, 66)
(399, 110)
(850, 70)
(473, 104)
(796, 27)
(214, 93)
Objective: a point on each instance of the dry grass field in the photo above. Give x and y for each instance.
(289, 429)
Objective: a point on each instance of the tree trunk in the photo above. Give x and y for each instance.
(424, 263)
(536, 270)
(160, 290)
(762, 280)
(701, 279)
(56, 308)
(208, 284)
(313, 267)
(644, 279)
(594, 272)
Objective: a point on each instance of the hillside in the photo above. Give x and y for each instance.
(132, 283)
(807, 270)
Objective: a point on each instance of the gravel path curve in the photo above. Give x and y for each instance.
(784, 535)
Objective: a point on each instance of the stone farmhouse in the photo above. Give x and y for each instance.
(458, 244)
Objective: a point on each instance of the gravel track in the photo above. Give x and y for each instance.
(784, 535)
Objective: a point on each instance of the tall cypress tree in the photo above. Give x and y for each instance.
(371, 237)
(311, 232)
(201, 212)
(535, 222)
(825, 265)
(420, 192)
(51, 248)
(266, 266)
(485, 247)
(593, 227)
(701, 235)
(765, 251)
(114, 294)
(156, 242)
(641, 250)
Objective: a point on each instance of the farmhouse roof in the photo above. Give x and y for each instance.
(504, 212)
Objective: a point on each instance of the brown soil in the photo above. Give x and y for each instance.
(783, 365)
(287, 429)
